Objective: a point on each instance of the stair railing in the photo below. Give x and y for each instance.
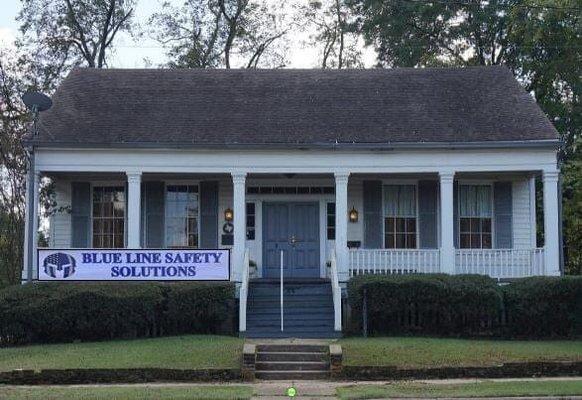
(243, 294)
(281, 292)
(337, 293)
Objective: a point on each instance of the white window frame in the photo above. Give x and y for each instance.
(181, 183)
(474, 182)
(105, 184)
(400, 182)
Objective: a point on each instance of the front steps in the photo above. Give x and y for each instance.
(307, 305)
(292, 361)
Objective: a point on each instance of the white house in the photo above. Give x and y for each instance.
(347, 172)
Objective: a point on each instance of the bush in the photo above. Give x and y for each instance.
(44, 313)
(425, 304)
(544, 307)
(467, 305)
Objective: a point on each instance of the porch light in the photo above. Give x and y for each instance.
(228, 214)
(353, 215)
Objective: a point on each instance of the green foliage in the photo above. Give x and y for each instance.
(41, 313)
(426, 304)
(544, 307)
(467, 305)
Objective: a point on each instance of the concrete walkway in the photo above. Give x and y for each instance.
(312, 390)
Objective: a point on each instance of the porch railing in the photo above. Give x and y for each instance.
(395, 261)
(243, 294)
(500, 263)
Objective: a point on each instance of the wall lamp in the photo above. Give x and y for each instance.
(228, 214)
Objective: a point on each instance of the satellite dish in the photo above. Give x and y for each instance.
(36, 102)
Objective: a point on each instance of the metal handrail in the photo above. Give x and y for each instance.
(337, 293)
(281, 299)
(244, 291)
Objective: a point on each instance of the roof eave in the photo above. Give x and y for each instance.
(543, 143)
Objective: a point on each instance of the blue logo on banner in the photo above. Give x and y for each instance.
(59, 265)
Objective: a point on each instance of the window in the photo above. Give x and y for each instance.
(475, 213)
(330, 221)
(108, 217)
(400, 216)
(250, 221)
(182, 216)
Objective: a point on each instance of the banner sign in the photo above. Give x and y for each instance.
(133, 265)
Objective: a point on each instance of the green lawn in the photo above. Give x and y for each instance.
(182, 352)
(477, 389)
(408, 352)
(127, 393)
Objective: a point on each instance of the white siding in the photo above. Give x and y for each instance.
(60, 222)
(522, 214)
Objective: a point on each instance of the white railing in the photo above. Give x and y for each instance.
(500, 263)
(244, 291)
(395, 261)
(337, 293)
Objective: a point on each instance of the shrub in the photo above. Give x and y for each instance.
(467, 305)
(425, 304)
(544, 307)
(43, 313)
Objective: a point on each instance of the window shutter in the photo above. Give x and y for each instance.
(209, 214)
(154, 214)
(373, 214)
(427, 214)
(503, 209)
(80, 214)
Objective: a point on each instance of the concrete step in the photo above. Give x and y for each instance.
(292, 348)
(292, 366)
(292, 375)
(291, 356)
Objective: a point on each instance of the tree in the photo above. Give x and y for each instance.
(13, 167)
(331, 21)
(208, 33)
(64, 33)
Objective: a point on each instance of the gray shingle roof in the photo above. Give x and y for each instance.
(305, 107)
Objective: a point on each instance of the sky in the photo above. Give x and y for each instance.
(131, 53)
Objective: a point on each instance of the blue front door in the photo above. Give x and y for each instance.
(293, 228)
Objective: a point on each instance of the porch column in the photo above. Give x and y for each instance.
(29, 270)
(447, 245)
(239, 242)
(341, 224)
(134, 209)
(551, 223)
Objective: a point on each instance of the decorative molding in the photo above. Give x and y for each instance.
(550, 176)
(341, 178)
(239, 178)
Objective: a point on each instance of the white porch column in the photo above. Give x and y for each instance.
(30, 268)
(551, 223)
(134, 209)
(447, 247)
(239, 242)
(341, 224)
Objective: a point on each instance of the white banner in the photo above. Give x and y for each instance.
(133, 265)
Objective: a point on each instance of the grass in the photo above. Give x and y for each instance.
(408, 352)
(473, 389)
(127, 393)
(180, 352)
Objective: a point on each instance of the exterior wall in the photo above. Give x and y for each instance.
(522, 214)
(60, 222)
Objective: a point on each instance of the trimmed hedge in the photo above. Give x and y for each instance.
(466, 305)
(47, 313)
